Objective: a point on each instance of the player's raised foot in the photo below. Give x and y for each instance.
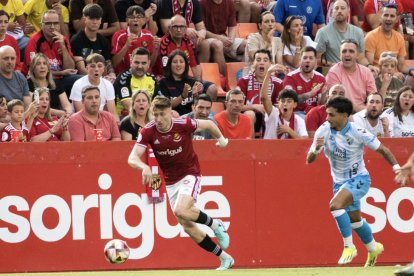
(221, 234)
(348, 255)
(226, 263)
(372, 256)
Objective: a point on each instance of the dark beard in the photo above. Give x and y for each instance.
(369, 116)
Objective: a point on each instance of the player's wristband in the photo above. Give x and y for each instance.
(222, 142)
(396, 168)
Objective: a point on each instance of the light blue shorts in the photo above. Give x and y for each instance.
(358, 186)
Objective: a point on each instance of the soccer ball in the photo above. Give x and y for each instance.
(116, 251)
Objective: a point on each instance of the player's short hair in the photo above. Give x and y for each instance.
(140, 51)
(137, 9)
(161, 102)
(94, 58)
(233, 92)
(93, 11)
(13, 103)
(341, 104)
(204, 97)
(288, 93)
(263, 51)
(2, 12)
(88, 88)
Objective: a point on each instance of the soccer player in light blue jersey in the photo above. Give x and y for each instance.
(343, 144)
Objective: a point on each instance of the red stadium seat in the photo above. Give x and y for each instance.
(244, 29)
(234, 73)
(217, 107)
(211, 73)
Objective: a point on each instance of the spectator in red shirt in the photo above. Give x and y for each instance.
(6, 39)
(56, 47)
(125, 41)
(317, 115)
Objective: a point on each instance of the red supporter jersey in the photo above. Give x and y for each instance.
(315, 118)
(37, 43)
(145, 40)
(6, 133)
(298, 83)
(250, 86)
(173, 149)
(167, 45)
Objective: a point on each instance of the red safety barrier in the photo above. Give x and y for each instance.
(61, 202)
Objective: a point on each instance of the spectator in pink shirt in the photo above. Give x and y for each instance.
(82, 124)
(357, 79)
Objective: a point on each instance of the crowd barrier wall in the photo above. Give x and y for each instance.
(61, 202)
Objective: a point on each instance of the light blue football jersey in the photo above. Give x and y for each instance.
(345, 149)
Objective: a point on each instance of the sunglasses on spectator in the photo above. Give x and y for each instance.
(390, 5)
(388, 54)
(349, 40)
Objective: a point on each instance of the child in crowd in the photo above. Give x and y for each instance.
(15, 109)
(281, 121)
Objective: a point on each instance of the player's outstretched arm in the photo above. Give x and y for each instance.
(214, 130)
(389, 157)
(406, 171)
(134, 160)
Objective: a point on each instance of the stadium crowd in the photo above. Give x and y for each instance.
(77, 70)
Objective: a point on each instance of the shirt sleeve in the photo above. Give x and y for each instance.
(311, 120)
(369, 139)
(18, 7)
(143, 138)
(111, 13)
(279, 11)
(165, 10)
(76, 130)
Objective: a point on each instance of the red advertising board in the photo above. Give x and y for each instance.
(61, 202)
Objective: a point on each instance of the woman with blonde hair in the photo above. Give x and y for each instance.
(44, 126)
(139, 115)
(40, 75)
(387, 82)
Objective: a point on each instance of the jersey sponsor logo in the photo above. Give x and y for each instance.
(349, 140)
(170, 152)
(339, 153)
(177, 137)
(124, 92)
(309, 9)
(407, 134)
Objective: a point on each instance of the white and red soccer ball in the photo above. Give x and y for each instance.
(116, 251)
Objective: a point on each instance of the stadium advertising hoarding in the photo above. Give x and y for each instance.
(61, 202)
